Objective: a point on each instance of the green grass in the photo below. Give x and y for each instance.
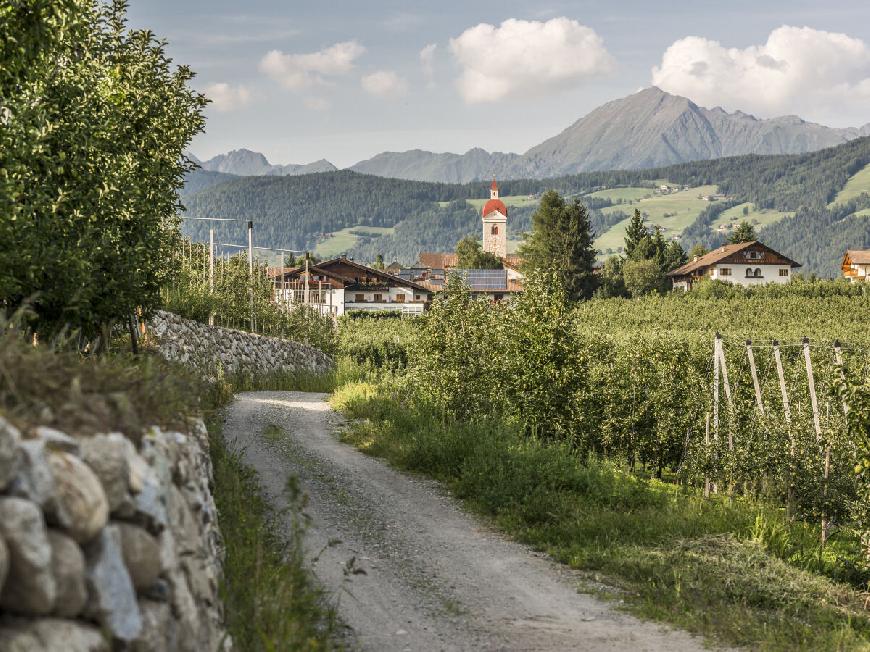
(270, 599)
(631, 194)
(673, 213)
(510, 200)
(759, 218)
(857, 184)
(338, 242)
(862, 213)
(736, 571)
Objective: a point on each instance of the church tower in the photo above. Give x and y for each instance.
(494, 215)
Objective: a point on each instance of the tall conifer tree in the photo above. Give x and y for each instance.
(562, 240)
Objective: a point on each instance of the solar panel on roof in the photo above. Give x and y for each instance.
(483, 279)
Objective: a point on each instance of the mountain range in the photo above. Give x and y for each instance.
(648, 129)
(245, 163)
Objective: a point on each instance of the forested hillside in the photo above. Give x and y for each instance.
(297, 212)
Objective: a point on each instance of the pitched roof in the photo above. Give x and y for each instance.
(720, 253)
(323, 268)
(438, 259)
(859, 256)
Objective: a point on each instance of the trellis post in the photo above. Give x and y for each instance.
(755, 383)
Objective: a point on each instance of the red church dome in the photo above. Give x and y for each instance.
(494, 205)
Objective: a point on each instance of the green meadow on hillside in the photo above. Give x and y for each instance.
(341, 241)
(510, 200)
(630, 194)
(857, 185)
(672, 212)
(759, 218)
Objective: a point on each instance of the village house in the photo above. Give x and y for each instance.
(856, 265)
(435, 267)
(338, 286)
(746, 263)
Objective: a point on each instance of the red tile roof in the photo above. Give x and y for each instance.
(494, 205)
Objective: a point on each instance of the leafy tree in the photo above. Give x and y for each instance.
(379, 262)
(674, 256)
(744, 232)
(470, 255)
(697, 250)
(95, 120)
(612, 282)
(642, 276)
(562, 240)
(635, 233)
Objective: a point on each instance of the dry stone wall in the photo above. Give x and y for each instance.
(207, 347)
(108, 545)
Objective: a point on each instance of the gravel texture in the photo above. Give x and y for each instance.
(408, 568)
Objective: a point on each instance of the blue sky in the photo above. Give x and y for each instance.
(301, 81)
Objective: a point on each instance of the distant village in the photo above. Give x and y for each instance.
(341, 285)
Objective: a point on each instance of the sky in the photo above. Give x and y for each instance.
(345, 80)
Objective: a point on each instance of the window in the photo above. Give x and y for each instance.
(725, 271)
(783, 272)
(416, 297)
(379, 297)
(400, 298)
(494, 230)
(359, 298)
(757, 273)
(748, 272)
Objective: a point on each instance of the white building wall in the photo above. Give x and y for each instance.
(495, 243)
(737, 273)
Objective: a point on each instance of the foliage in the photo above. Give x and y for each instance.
(561, 241)
(744, 232)
(732, 569)
(470, 255)
(642, 276)
(95, 119)
(236, 289)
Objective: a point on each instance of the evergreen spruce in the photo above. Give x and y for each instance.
(562, 241)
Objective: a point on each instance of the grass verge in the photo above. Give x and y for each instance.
(735, 571)
(270, 598)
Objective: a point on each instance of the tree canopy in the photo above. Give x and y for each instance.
(562, 241)
(470, 255)
(95, 120)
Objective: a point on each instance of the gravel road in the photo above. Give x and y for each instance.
(408, 568)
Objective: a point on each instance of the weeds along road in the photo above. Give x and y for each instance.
(409, 569)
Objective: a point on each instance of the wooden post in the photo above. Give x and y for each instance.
(211, 270)
(782, 388)
(786, 409)
(251, 271)
(716, 343)
(707, 445)
(724, 369)
(755, 384)
(814, 401)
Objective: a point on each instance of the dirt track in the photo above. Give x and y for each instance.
(412, 571)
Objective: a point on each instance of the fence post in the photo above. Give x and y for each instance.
(716, 343)
(814, 402)
(755, 384)
(724, 368)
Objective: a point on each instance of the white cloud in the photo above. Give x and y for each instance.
(383, 83)
(295, 71)
(427, 62)
(317, 103)
(526, 57)
(798, 70)
(225, 98)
